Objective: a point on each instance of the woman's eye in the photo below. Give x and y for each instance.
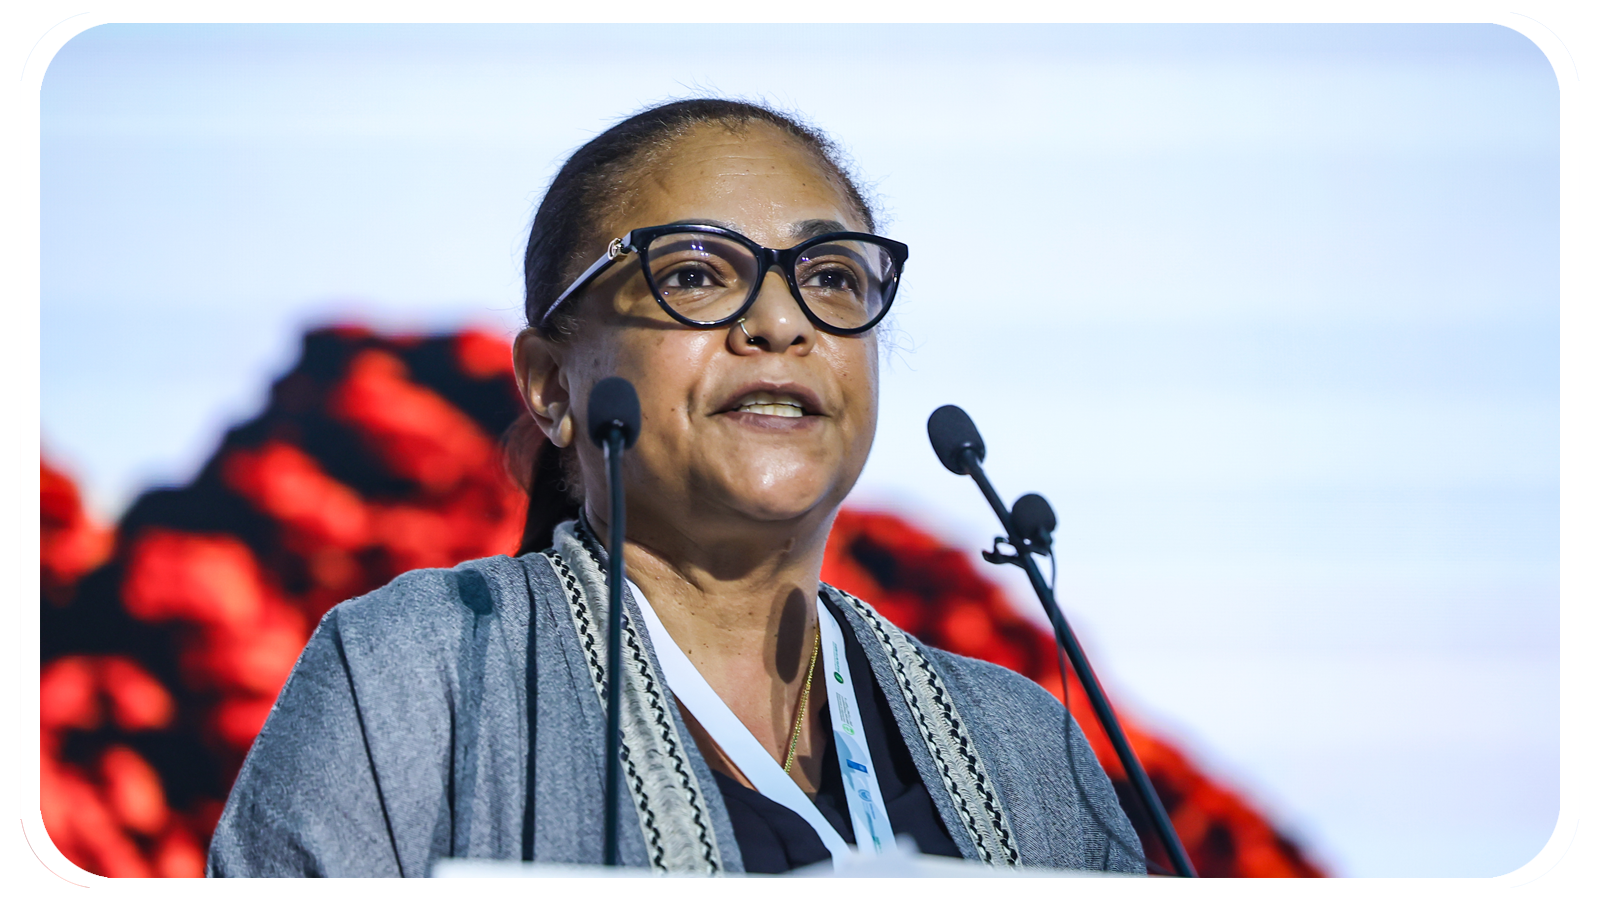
(832, 279)
(690, 278)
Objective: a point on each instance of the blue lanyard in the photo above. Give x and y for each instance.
(868, 816)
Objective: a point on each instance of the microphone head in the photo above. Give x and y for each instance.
(951, 432)
(1033, 519)
(613, 403)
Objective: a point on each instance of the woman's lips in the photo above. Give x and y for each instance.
(776, 408)
(781, 401)
(767, 403)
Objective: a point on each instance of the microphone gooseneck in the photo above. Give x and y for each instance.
(1028, 527)
(614, 420)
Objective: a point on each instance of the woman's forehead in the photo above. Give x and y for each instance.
(798, 230)
(755, 177)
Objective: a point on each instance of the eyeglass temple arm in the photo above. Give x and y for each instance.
(617, 249)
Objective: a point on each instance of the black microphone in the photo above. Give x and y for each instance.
(614, 421)
(1034, 521)
(959, 446)
(952, 434)
(614, 406)
(1028, 526)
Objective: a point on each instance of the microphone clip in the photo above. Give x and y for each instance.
(1014, 557)
(1029, 525)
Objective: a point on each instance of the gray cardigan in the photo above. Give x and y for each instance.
(402, 736)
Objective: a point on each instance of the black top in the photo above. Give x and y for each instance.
(773, 838)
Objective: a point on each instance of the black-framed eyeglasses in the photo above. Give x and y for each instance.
(708, 277)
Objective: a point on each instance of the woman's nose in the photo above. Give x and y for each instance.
(775, 322)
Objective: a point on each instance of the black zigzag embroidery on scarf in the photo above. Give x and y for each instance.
(580, 607)
(953, 728)
(708, 851)
(958, 734)
(569, 583)
(927, 732)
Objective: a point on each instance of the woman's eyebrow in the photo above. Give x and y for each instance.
(811, 228)
(799, 231)
(715, 223)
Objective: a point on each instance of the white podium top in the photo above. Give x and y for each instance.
(897, 863)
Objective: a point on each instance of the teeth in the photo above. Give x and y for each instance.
(773, 409)
(763, 403)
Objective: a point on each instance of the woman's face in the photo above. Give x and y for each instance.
(722, 438)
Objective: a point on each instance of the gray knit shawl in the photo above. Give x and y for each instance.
(402, 736)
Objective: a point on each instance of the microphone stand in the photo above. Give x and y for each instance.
(614, 441)
(614, 422)
(1080, 664)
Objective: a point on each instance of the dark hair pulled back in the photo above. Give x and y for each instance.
(565, 237)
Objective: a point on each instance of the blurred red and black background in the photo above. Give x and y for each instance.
(166, 635)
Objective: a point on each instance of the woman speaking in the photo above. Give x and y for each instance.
(718, 256)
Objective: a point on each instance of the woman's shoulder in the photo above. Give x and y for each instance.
(994, 683)
(351, 754)
(427, 605)
(965, 677)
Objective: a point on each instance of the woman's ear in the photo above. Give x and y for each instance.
(537, 363)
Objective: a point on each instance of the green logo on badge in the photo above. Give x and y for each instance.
(839, 678)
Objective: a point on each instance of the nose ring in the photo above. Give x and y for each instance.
(747, 338)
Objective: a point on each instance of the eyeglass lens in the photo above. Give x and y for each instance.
(706, 278)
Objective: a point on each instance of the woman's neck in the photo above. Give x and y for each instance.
(726, 598)
(744, 612)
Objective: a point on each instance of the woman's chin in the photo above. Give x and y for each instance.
(777, 516)
(796, 499)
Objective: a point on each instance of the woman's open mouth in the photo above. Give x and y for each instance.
(772, 403)
(766, 403)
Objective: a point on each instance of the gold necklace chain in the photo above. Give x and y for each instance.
(800, 714)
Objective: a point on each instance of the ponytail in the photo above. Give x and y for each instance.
(537, 466)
